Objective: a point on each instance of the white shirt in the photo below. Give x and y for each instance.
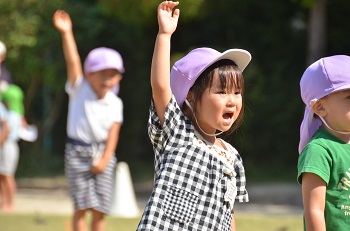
(89, 118)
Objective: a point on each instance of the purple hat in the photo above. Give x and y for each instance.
(103, 58)
(186, 70)
(323, 77)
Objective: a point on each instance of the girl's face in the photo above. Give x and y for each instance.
(218, 108)
(336, 108)
(103, 81)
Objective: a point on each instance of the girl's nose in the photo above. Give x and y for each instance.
(231, 100)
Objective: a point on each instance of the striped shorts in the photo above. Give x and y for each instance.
(88, 190)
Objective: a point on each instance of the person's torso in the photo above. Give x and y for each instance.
(89, 118)
(331, 161)
(195, 182)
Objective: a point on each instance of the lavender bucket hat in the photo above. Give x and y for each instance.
(103, 58)
(323, 77)
(186, 70)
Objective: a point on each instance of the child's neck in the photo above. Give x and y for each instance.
(343, 137)
(209, 139)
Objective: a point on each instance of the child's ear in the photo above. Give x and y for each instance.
(119, 78)
(318, 108)
(88, 77)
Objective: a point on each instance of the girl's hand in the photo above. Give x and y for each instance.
(62, 21)
(167, 19)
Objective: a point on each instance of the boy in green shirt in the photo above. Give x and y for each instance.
(324, 161)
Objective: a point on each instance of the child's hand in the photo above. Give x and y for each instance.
(62, 21)
(98, 166)
(167, 19)
(2, 58)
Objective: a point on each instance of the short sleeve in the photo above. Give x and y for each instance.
(118, 111)
(174, 121)
(71, 89)
(242, 194)
(314, 159)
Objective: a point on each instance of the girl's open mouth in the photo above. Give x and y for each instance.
(228, 116)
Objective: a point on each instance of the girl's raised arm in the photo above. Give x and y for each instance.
(160, 69)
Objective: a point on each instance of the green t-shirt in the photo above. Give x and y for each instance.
(329, 157)
(13, 97)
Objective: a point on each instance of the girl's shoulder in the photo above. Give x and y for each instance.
(228, 146)
(229, 152)
(174, 117)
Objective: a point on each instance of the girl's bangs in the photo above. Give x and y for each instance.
(231, 78)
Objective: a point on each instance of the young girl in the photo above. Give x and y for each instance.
(324, 160)
(94, 121)
(197, 176)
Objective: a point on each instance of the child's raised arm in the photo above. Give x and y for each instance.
(63, 23)
(160, 69)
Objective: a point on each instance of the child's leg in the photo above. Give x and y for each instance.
(11, 183)
(7, 199)
(79, 223)
(1, 191)
(98, 222)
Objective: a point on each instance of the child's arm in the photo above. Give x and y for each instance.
(2, 58)
(314, 199)
(63, 23)
(233, 222)
(160, 69)
(4, 132)
(111, 145)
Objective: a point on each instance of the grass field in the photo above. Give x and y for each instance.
(40, 222)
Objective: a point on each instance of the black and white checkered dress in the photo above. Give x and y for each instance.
(196, 183)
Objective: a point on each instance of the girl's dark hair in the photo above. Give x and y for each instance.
(230, 77)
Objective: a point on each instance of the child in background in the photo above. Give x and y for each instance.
(324, 160)
(94, 121)
(12, 98)
(198, 176)
(6, 163)
(4, 73)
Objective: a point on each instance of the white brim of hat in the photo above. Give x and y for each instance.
(239, 56)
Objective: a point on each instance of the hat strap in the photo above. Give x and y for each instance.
(189, 105)
(340, 132)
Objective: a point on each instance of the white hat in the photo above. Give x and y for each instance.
(2, 48)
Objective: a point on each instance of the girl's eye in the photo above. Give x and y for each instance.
(222, 92)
